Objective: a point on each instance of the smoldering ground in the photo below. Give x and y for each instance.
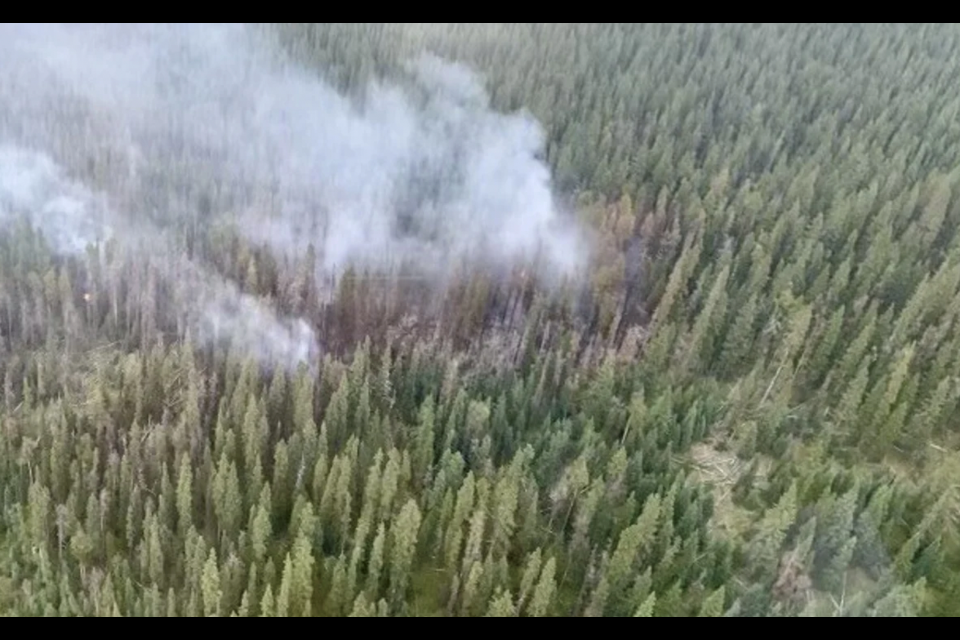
(178, 123)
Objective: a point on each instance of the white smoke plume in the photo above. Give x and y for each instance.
(68, 215)
(165, 118)
(71, 217)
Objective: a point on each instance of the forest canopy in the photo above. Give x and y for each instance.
(704, 361)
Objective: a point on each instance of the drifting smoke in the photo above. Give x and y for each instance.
(422, 172)
(70, 217)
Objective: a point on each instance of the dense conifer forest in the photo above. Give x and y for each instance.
(747, 407)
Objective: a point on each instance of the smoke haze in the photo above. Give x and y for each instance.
(71, 218)
(163, 118)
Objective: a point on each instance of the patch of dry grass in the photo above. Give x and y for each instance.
(721, 470)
